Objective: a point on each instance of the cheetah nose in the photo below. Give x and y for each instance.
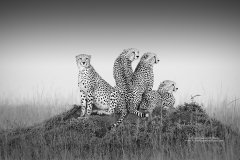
(83, 62)
(176, 88)
(137, 56)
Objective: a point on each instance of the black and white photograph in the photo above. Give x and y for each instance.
(119, 80)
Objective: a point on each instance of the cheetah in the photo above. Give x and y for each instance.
(142, 82)
(122, 73)
(166, 90)
(95, 90)
(163, 97)
(122, 69)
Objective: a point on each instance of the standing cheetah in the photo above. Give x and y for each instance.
(95, 90)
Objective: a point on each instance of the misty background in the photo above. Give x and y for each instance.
(197, 44)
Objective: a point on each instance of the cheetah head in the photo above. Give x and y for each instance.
(149, 58)
(131, 54)
(167, 86)
(83, 61)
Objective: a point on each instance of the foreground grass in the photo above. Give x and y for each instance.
(159, 138)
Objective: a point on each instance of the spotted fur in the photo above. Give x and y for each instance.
(142, 81)
(122, 69)
(95, 90)
(163, 97)
(122, 73)
(166, 90)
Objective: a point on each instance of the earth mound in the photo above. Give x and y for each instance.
(67, 133)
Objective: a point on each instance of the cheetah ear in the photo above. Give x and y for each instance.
(160, 88)
(125, 50)
(145, 56)
(162, 84)
(89, 56)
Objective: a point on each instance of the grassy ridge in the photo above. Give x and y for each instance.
(158, 138)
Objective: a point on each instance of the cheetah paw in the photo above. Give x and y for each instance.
(100, 112)
(147, 115)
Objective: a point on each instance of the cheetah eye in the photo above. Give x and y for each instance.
(173, 84)
(133, 52)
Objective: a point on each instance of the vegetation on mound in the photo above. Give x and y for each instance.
(65, 137)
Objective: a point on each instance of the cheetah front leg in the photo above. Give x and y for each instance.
(83, 102)
(89, 103)
(113, 105)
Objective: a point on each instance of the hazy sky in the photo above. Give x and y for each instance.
(198, 44)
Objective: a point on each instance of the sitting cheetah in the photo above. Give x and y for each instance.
(142, 82)
(95, 90)
(122, 73)
(122, 69)
(166, 90)
(163, 97)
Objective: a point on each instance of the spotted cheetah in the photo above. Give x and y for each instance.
(166, 90)
(142, 82)
(95, 90)
(122, 69)
(163, 97)
(122, 73)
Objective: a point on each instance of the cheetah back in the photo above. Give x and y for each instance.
(122, 72)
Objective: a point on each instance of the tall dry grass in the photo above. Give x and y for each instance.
(28, 110)
(69, 142)
(226, 110)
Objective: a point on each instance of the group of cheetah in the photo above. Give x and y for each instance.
(133, 91)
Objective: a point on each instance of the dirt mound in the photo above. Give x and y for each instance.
(66, 133)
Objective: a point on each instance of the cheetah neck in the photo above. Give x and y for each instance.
(81, 69)
(124, 59)
(162, 93)
(145, 65)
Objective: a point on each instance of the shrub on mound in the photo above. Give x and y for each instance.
(189, 120)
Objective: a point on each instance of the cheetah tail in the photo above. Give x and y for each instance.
(120, 120)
